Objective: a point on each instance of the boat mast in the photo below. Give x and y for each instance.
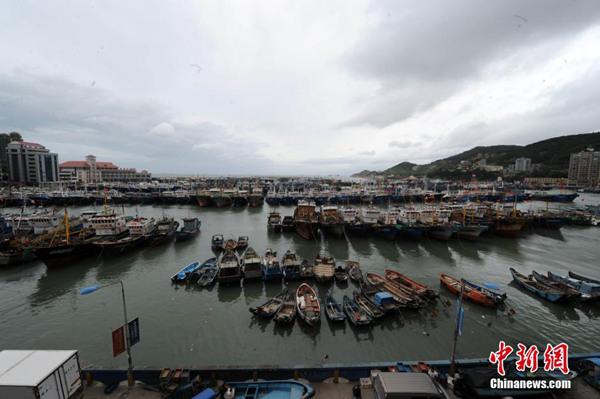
(457, 328)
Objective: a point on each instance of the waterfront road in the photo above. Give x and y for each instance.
(324, 390)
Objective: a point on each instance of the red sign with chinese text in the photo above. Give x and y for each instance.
(118, 341)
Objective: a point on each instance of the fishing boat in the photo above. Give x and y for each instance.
(583, 278)
(189, 230)
(333, 310)
(421, 289)
(383, 300)
(287, 224)
(203, 199)
(584, 287)
(471, 232)
(308, 305)
(306, 220)
(454, 286)
(216, 242)
(207, 274)
(402, 294)
(287, 312)
(290, 265)
(330, 221)
(355, 314)
(495, 293)
(184, 274)
(272, 306)
(255, 199)
(222, 199)
(369, 307)
(284, 389)
(240, 199)
(569, 292)
(306, 270)
(229, 268)
(271, 270)
(542, 290)
(340, 274)
(165, 231)
(113, 246)
(509, 227)
(324, 268)
(353, 270)
(251, 264)
(274, 222)
(15, 256)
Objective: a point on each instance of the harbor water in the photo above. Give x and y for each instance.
(179, 326)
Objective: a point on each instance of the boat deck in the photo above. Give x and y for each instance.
(324, 390)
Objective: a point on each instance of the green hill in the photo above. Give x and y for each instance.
(552, 155)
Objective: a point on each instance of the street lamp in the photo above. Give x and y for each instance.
(94, 288)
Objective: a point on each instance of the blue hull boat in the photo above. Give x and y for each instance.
(185, 273)
(285, 389)
(539, 289)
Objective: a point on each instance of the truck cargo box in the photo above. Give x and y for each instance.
(37, 374)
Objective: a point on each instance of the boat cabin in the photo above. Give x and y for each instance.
(108, 223)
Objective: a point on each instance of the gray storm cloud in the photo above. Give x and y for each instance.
(288, 87)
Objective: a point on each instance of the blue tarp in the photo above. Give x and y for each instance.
(381, 297)
(206, 394)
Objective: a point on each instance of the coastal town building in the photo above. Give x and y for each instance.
(584, 168)
(92, 171)
(522, 165)
(30, 163)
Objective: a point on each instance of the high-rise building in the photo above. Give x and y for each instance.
(522, 165)
(31, 163)
(6, 138)
(584, 168)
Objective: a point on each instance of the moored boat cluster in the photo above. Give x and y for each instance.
(58, 239)
(442, 222)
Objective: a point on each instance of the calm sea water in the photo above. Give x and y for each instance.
(42, 309)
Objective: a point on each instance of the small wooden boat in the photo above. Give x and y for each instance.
(184, 274)
(284, 389)
(287, 312)
(569, 292)
(308, 305)
(454, 285)
(369, 288)
(420, 289)
(189, 230)
(217, 242)
(306, 270)
(497, 295)
(383, 300)
(230, 244)
(583, 278)
(371, 308)
(208, 273)
(274, 222)
(229, 268)
(251, 264)
(333, 310)
(290, 265)
(272, 306)
(271, 270)
(586, 288)
(324, 268)
(542, 290)
(400, 293)
(353, 270)
(242, 243)
(355, 314)
(341, 276)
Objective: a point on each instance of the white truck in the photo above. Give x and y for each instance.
(39, 374)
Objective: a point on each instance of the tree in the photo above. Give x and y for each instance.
(15, 136)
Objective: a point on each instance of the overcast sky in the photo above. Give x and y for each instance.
(299, 87)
